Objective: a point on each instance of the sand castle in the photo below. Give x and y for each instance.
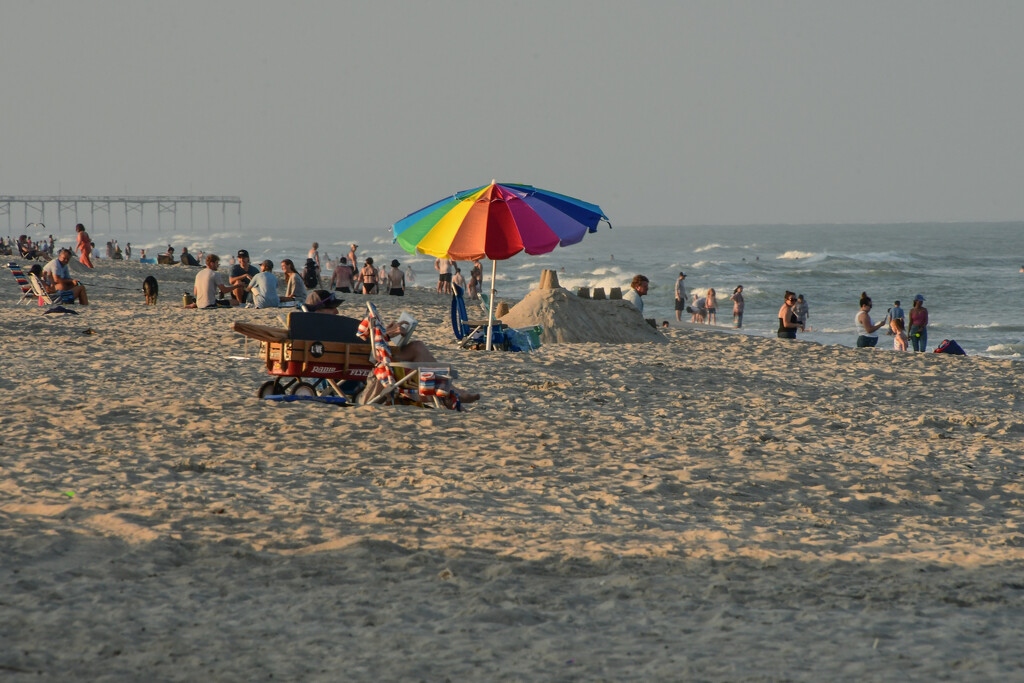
(568, 318)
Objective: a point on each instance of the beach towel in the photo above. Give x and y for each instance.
(372, 329)
(60, 309)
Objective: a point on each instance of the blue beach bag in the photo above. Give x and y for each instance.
(951, 347)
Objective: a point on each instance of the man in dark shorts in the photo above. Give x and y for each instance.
(680, 296)
(396, 279)
(444, 275)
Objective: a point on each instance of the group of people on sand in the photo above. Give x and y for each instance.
(449, 276)
(348, 277)
(247, 285)
(27, 248)
(703, 308)
(908, 330)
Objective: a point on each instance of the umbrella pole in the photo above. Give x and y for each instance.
(490, 305)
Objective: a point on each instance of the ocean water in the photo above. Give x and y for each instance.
(968, 273)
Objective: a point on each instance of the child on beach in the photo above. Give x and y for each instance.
(900, 342)
(801, 312)
(712, 306)
(737, 306)
(896, 313)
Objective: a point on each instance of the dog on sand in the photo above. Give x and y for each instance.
(151, 289)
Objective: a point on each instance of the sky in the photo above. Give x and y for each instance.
(354, 114)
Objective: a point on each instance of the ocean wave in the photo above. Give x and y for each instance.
(794, 254)
(1006, 350)
(707, 247)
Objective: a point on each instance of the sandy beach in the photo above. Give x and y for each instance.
(713, 507)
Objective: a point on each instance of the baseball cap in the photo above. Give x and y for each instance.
(242, 253)
(395, 263)
(918, 297)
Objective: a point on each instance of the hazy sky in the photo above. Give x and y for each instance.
(353, 114)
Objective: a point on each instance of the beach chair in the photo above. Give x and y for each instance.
(26, 288)
(473, 333)
(46, 298)
(410, 383)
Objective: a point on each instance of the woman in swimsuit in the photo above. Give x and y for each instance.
(788, 324)
(368, 275)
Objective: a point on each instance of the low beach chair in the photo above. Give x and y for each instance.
(473, 333)
(46, 298)
(26, 288)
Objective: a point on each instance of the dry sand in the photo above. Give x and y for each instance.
(719, 507)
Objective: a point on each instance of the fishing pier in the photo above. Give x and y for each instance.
(57, 210)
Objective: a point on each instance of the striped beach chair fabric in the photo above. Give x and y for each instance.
(26, 289)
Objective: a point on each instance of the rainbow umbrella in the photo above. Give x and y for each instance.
(497, 221)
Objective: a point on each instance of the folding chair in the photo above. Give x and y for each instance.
(26, 289)
(45, 298)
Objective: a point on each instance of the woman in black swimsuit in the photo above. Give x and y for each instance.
(368, 275)
(788, 323)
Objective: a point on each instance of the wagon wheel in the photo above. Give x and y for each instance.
(270, 388)
(303, 389)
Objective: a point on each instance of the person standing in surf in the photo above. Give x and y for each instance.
(737, 307)
(788, 324)
(867, 337)
(918, 324)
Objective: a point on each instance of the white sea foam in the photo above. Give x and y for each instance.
(793, 254)
(1006, 350)
(707, 247)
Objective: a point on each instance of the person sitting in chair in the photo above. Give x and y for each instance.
(59, 277)
(187, 259)
(322, 301)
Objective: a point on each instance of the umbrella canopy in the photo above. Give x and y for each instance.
(497, 221)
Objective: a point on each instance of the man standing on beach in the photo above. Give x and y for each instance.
(637, 289)
(341, 278)
(680, 297)
(60, 276)
(444, 275)
(352, 259)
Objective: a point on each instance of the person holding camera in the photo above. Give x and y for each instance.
(867, 337)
